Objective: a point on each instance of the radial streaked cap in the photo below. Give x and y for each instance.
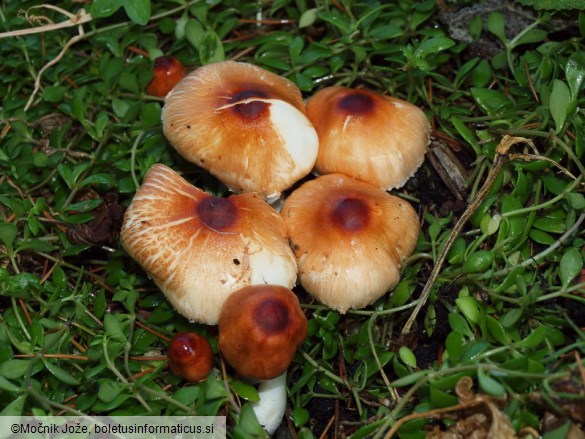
(349, 239)
(245, 125)
(260, 328)
(198, 248)
(378, 139)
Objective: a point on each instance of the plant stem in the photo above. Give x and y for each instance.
(501, 158)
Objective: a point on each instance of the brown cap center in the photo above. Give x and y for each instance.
(249, 110)
(357, 103)
(217, 213)
(351, 214)
(272, 316)
(164, 63)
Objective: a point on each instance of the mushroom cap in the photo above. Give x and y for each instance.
(349, 239)
(245, 125)
(260, 328)
(198, 248)
(167, 72)
(190, 356)
(378, 139)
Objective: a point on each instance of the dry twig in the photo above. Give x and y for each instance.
(74, 20)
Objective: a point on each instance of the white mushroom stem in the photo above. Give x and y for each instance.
(270, 408)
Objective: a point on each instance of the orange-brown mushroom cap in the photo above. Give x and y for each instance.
(349, 239)
(190, 356)
(260, 328)
(245, 125)
(167, 72)
(198, 248)
(378, 139)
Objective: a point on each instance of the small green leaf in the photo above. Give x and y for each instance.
(541, 237)
(13, 369)
(512, 316)
(54, 93)
(308, 18)
(470, 307)
(8, 386)
(457, 250)
(248, 422)
(109, 390)
(554, 184)
(78, 104)
(129, 81)
(533, 339)
(466, 133)
(337, 19)
(245, 391)
(372, 365)
(210, 48)
(409, 379)
(491, 101)
(531, 36)
(496, 25)
(407, 356)
(300, 416)
(570, 266)
(113, 328)
(187, 395)
(433, 46)
(454, 345)
(295, 48)
(473, 350)
(36, 245)
(475, 27)
(107, 180)
(560, 98)
(575, 73)
(101, 406)
(194, 32)
(16, 407)
(550, 225)
(490, 385)
(497, 330)
(401, 293)
(576, 200)
(440, 398)
(150, 115)
(478, 261)
(8, 232)
(104, 8)
(138, 11)
(458, 323)
(61, 374)
(385, 31)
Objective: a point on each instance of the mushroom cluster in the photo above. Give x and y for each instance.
(232, 261)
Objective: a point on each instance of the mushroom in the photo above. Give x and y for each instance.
(243, 124)
(349, 239)
(190, 356)
(260, 327)
(199, 248)
(167, 72)
(378, 139)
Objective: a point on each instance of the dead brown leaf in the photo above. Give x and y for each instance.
(104, 227)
